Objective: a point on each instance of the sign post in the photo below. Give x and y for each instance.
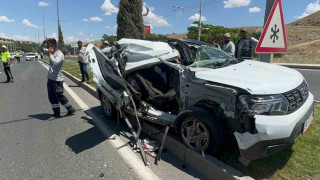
(273, 38)
(268, 58)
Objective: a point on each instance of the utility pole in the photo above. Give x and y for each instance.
(268, 58)
(89, 37)
(199, 11)
(199, 32)
(44, 29)
(58, 14)
(38, 37)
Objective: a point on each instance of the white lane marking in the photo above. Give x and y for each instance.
(126, 152)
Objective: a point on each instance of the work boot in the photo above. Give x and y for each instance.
(56, 113)
(71, 111)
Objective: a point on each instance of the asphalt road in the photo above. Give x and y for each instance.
(33, 146)
(313, 79)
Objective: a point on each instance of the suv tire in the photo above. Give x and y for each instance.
(107, 107)
(200, 130)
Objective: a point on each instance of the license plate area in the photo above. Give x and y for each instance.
(307, 124)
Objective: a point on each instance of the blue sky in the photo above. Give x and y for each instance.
(81, 19)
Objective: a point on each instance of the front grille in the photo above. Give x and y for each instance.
(297, 97)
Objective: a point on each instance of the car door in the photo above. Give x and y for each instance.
(106, 75)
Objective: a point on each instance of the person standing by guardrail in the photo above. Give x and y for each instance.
(82, 60)
(245, 46)
(6, 60)
(55, 79)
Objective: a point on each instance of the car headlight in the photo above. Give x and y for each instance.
(265, 105)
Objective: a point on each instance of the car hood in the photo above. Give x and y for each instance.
(255, 77)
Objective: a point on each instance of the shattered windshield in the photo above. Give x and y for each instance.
(209, 57)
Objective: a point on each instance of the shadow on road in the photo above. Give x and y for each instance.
(42, 117)
(85, 140)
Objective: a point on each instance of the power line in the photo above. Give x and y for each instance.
(170, 13)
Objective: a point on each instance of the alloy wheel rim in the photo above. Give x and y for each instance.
(195, 134)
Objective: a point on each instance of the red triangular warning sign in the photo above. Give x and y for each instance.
(274, 38)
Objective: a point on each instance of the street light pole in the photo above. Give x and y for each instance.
(199, 32)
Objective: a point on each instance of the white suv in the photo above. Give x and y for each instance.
(204, 93)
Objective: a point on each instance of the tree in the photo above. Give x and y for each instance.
(217, 32)
(130, 20)
(61, 44)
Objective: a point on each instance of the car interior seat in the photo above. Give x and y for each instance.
(155, 89)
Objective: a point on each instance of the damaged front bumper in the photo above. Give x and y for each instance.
(274, 132)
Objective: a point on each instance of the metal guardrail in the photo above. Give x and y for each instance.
(300, 66)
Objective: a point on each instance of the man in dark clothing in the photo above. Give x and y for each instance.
(245, 46)
(55, 79)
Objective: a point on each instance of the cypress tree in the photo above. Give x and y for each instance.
(61, 45)
(130, 20)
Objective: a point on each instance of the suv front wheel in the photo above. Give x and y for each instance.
(108, 109)
(200, 130)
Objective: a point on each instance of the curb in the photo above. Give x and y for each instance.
(209, 166)
(300, 66)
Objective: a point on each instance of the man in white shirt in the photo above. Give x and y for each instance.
(229, 47)
(82, 60)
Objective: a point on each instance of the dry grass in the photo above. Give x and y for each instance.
(306, 54)
(296, 34)
(176, 36)
(303, 44)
